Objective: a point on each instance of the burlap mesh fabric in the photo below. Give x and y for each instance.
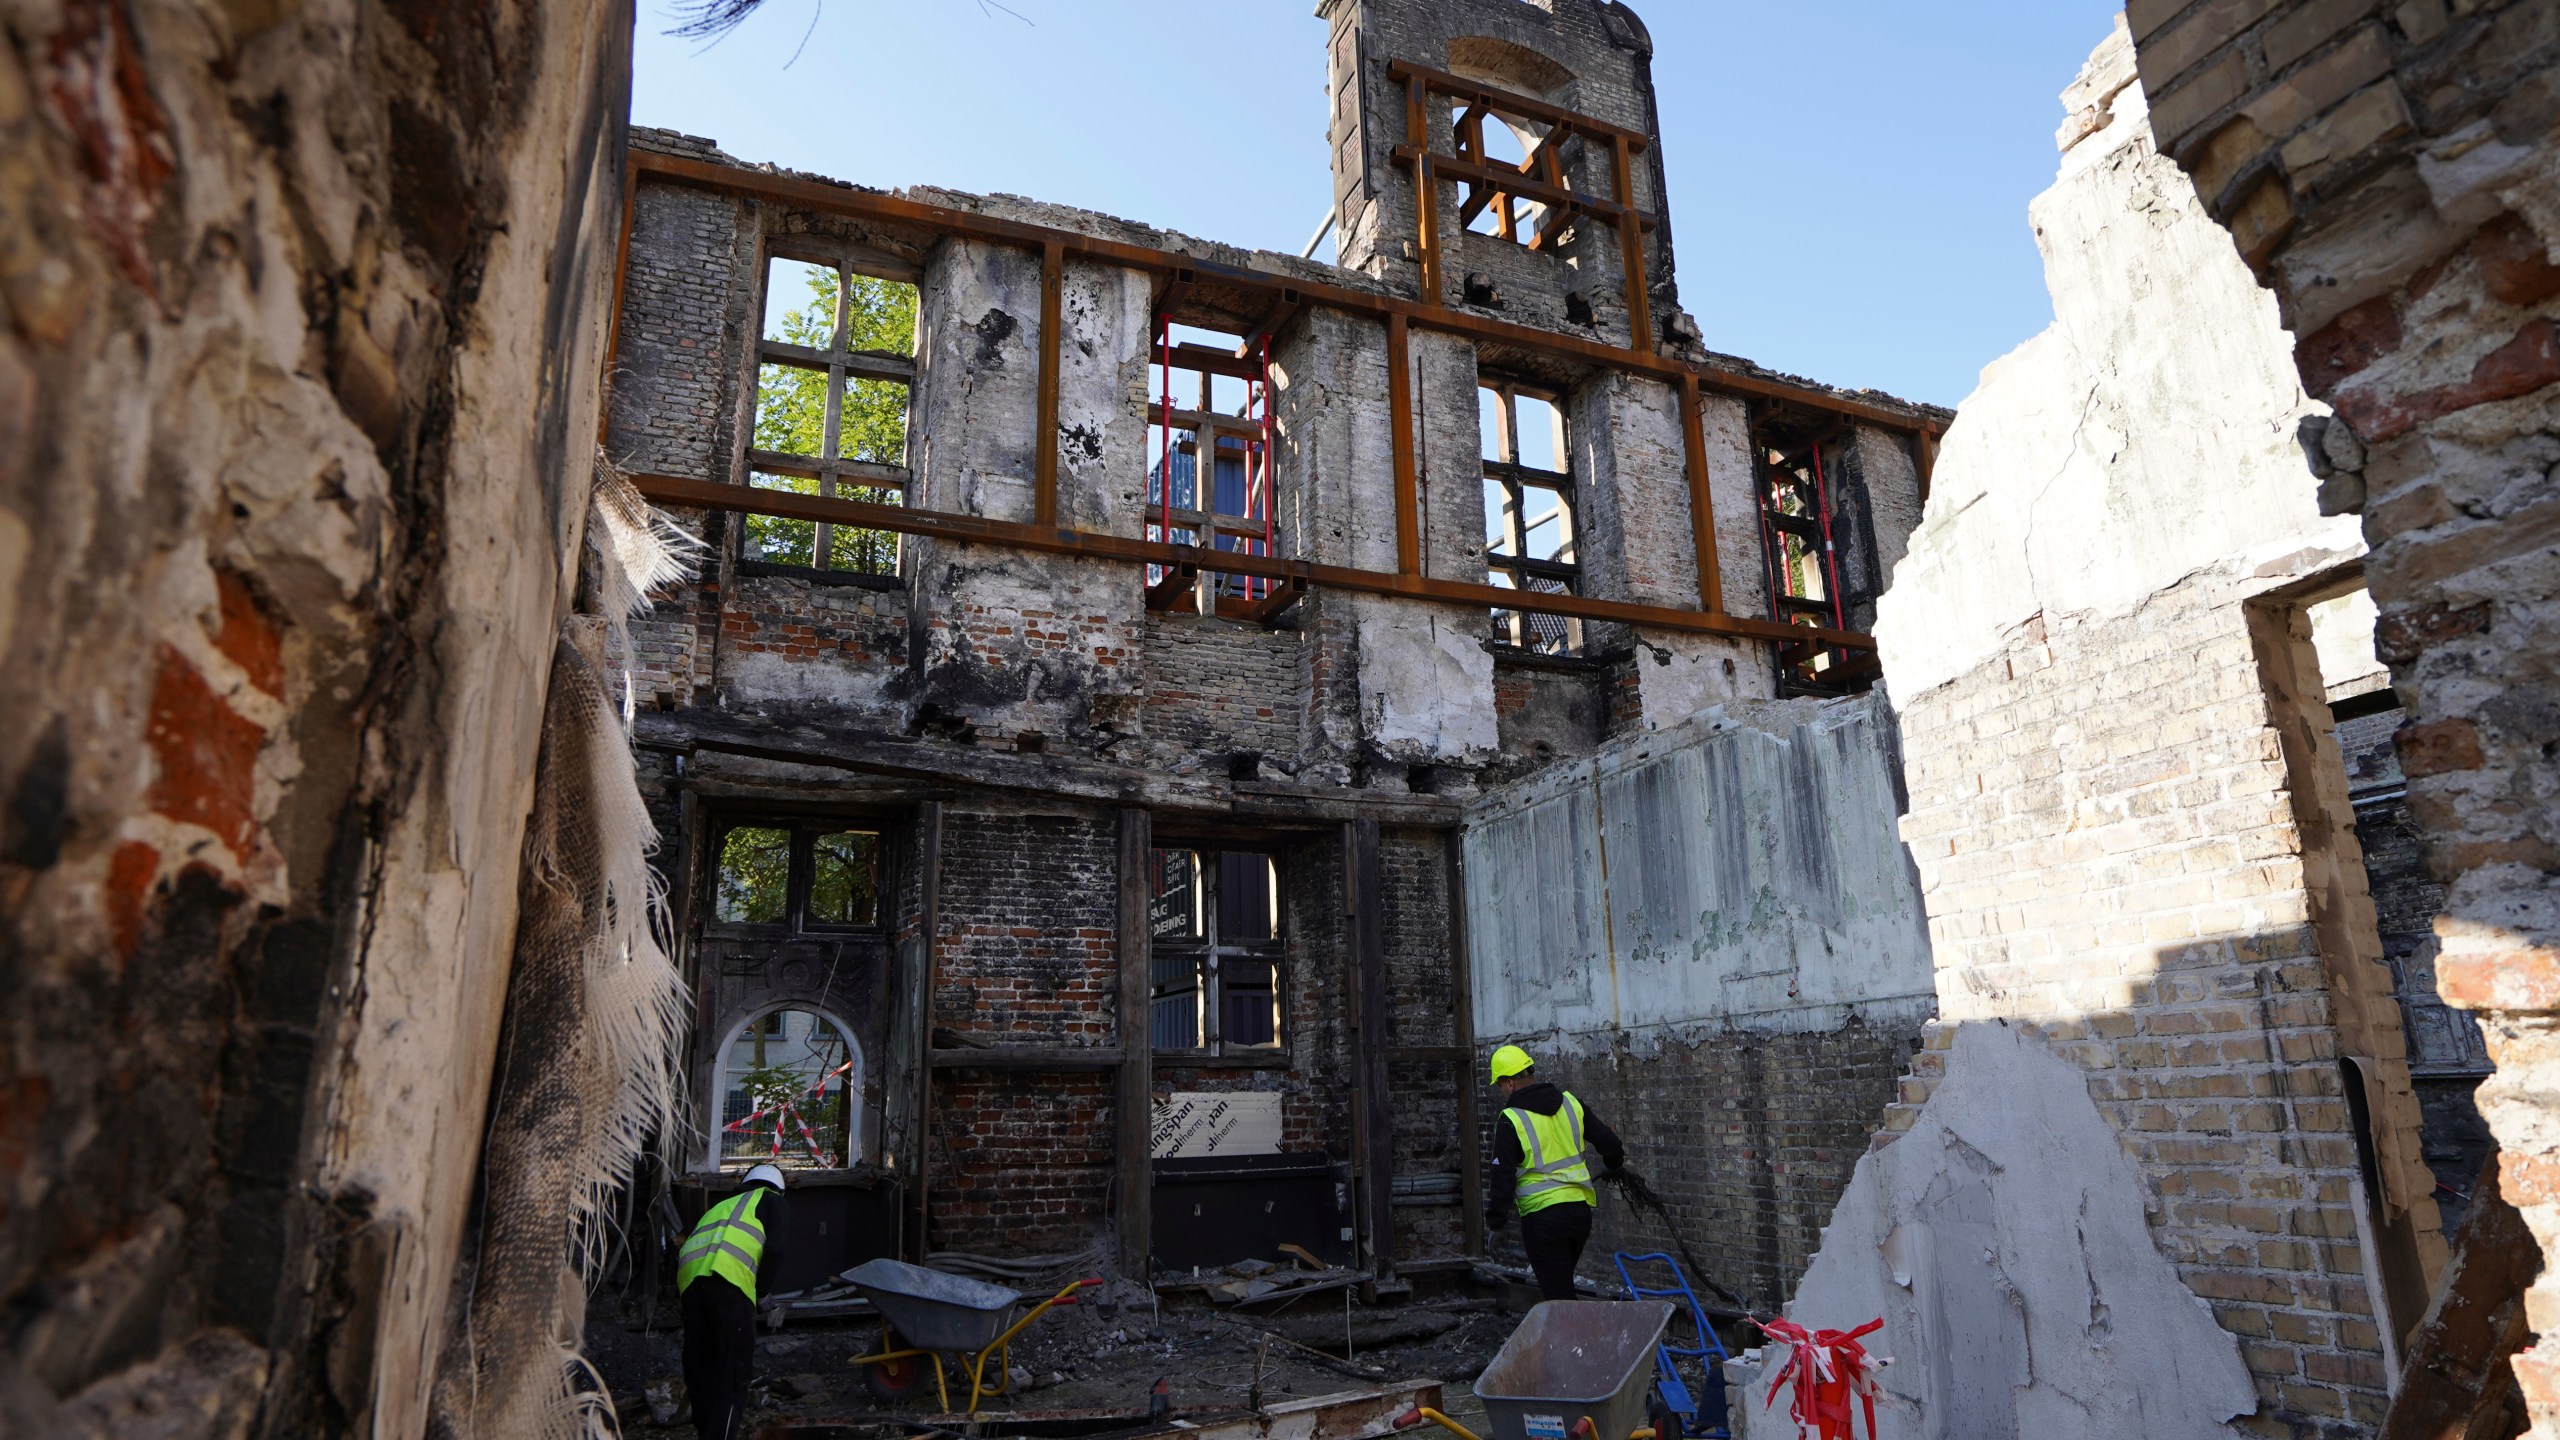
(587, 1064)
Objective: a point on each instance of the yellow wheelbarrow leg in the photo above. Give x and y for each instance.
(1420, 1413)
(1002, 1348)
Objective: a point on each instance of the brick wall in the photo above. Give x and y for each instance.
(1219, 687)
(2137, 763)
(2387, 172)
(1023, 1164)
(1029, 928)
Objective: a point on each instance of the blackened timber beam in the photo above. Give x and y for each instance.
(1364, 896)
(836, 745)
(1044, 450)
(1029, 1057)
(1702, 505)
(1059, 540)
(1133, 1100)
(1462, 1024)
(928, 971)
(819, 195)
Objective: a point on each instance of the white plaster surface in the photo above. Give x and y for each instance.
(1740, 868)
(2128, 445)
(2002, 1241)
(1426, 683)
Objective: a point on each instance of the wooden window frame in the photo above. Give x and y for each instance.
(841, 364)
(1206, 953)
(800, 876)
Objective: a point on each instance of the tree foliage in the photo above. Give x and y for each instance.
(791, 416)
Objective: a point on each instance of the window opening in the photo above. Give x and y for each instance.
(1510, 146)
(803, 878)
(835, 371)
(1530, 538)
(787, 1084)
(1227, 426)
(1214, 980)
(1794, 467)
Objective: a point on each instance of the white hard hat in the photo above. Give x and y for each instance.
(769, 1174)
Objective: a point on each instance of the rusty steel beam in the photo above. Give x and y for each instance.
(1400, 429)
(871, 205)
(1702, 510)
(1524, 185)
(1044, 450)
(1631, 251)
(1059, 540)
(1511, 102)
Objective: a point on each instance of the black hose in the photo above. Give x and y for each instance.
(1641, 1196)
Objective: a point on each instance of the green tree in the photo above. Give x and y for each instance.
(791, 416)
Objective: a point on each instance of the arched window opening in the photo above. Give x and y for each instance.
(790, 1085)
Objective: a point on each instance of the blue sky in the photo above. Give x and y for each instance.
(1849, 178)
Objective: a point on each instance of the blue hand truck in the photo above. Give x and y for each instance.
(1676, 1411)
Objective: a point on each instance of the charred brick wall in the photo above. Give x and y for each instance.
(1217, 688)
(1022, 1163)
(1029, 945)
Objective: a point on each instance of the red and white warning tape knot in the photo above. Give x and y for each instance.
(1823, 1369)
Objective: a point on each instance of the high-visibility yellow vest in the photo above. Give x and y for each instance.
(728, 1243)
(1552, 1169)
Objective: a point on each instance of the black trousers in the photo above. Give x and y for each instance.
(1553, 1239)
(719, 1356)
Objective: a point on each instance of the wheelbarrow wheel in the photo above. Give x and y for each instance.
(1659, 1414)
(891, 1381)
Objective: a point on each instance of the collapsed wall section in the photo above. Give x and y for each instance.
(2132, 826)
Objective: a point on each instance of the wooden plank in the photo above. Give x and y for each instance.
(1631, 253)
(1044, 449)
(1028, 1057)
(1134, 1100)
(1056, 540)
(1400, 430)
(1702, 504)
(1363, 885)
(818, 195)
(1462, 1021)
(929, 925)
(1925, 446)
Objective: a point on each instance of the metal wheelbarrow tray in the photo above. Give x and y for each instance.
(934, 1311)
(1571, 1359)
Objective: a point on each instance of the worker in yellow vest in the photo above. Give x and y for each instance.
(716, 1276)
(1539, 1169)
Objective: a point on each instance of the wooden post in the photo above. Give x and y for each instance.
(1044, 474)
(1134, 1101)
(1462, 1024)
(929, 923)
(1400, 431)
(1631, 247)
(1363, 893)
(1702, 505)
(1924, 446)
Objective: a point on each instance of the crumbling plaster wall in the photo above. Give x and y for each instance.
(1712, 933)
(2002, 1241)
(2389, 173)
(2121, 802)
(296, 410)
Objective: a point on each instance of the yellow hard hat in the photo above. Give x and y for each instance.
(1508, 1061)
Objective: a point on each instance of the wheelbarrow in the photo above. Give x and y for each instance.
(1574, 1370)
(927, 1315)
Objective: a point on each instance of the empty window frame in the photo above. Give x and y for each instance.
(1530, 535)
(787, 1084)
(835, 368)
(1215, 975)
(1509, 144)
(1210, 401)
(796, 877)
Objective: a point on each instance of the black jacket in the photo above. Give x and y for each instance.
(1540, 1099)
